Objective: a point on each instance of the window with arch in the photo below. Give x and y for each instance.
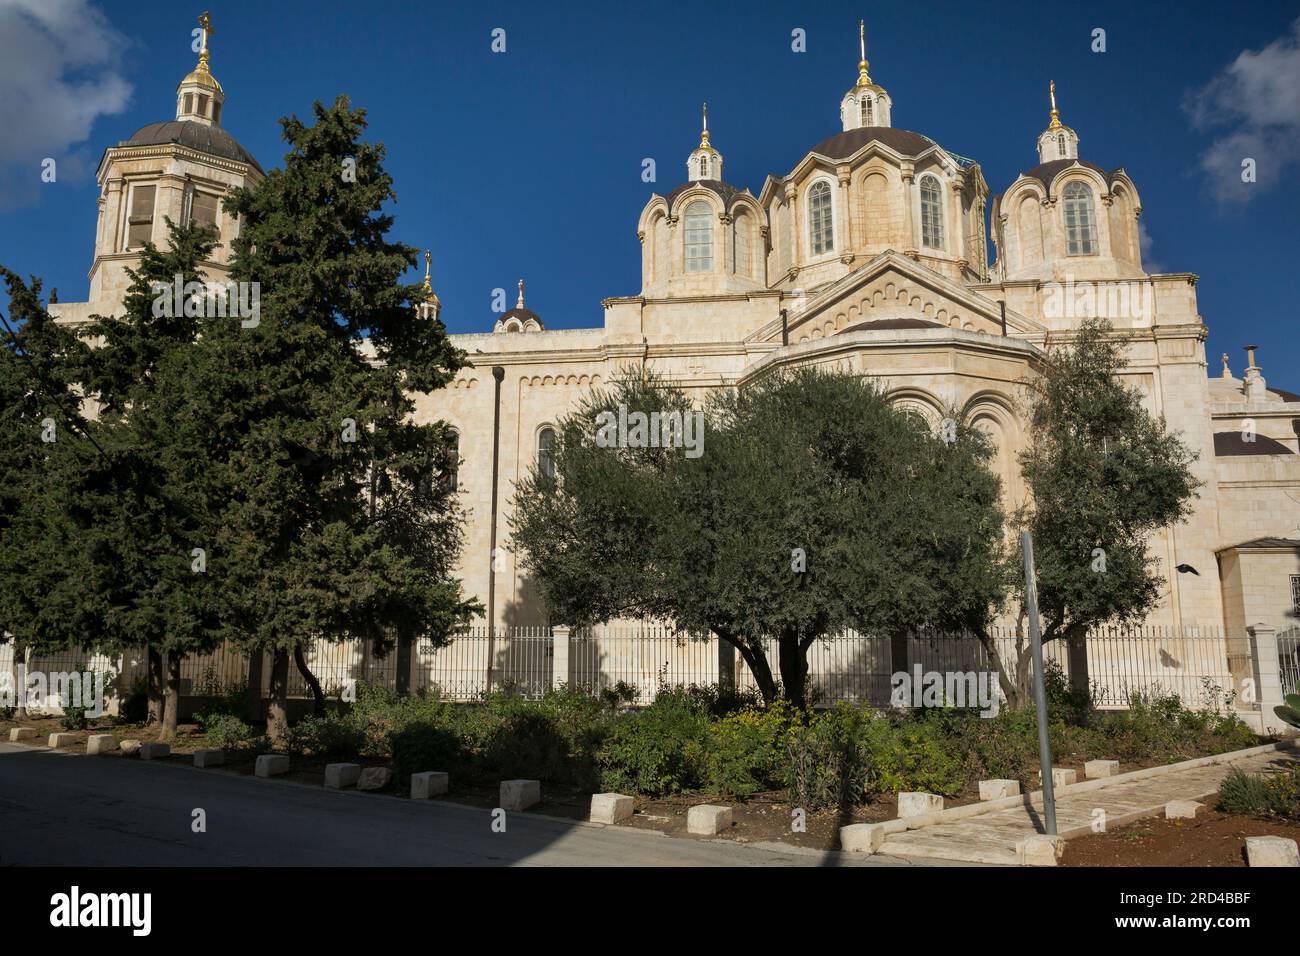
(867, 111)
(821, 224)
(546, 453)
(699, 236)
(931, 213)
(1080, 220)
(451, 467)
(1060, 144)
(704, 166)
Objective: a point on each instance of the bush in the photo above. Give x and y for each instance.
(420, 747)
(746, 751)
(658, 750)
(827, 761)
(333, 735)
(1261, 794)
(914, 755)
(134, 708)
(225, 731)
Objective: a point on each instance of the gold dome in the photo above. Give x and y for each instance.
(201, 75)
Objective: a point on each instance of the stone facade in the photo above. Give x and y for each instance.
(871, 254)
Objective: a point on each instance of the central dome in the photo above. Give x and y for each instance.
(843, 145)
(212, 140)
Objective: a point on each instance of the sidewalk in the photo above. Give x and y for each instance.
(993, 837)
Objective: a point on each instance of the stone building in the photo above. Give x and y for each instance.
(872, 254)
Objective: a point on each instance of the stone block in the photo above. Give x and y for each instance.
(101, 743)
(271, 765)
(209, 758)
(340, 775)
(1040, 850)
(520, 794)
(915, 804)
(707, 819)
(129, 747)
(61, 740)
(374, 778)
(430, 783)
(1096, 769)
(1272, 851)
(154, 750)
(997, 789)
(1061, 777)
(862, 838)
(23, 733)
(1182, 809)
(611, 808)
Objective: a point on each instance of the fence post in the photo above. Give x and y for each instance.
(559, 655)
(1268, 675)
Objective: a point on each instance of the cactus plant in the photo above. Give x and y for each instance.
(1290, 711)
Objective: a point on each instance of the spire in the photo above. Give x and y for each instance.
(704, 133)
(705, 162)
(199, 96)
(428, 283)
(520, 303)
(864, 78)
(1058, 141)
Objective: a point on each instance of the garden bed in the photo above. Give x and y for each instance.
(1213, 839)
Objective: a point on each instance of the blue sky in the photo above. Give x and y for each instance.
(528, 163)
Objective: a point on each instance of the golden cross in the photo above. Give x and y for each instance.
(205, 21)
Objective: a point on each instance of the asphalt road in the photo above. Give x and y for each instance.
(62, 809)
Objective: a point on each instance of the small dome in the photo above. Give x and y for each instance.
(1046, 173)
(205, 138)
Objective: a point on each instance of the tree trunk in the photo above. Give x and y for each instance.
(19, 667)
(402, 679)
(899, 653)
(172, 711)
(317, 695)
(794, 670)
(154, 684)
(1010, 687)
(758, 666)
(277, 710)
(1076, 642)
(253, 693)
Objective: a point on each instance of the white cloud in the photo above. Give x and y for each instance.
(1145, 244)
(1252, 109)
(59, 72)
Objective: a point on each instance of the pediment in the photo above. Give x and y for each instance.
(889, 288)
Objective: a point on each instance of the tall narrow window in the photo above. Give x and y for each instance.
(140, 222)
(451, 468)
(867, 112)
(189, 102)
(699, 237)
(821, 225)
(1060, 145)
(216, 113)
(931, 213)
(203, 209)
(1080, 221)
(704, 167)
(546, 453)
(743, 253)
(203, 104)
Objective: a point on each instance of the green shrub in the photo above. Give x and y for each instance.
(225, 731)
(134, 708)
(421, 747)
(914, 755)
(1261, 794)
(331, 735)
(828, 763)
(746, 751)
(658, 750)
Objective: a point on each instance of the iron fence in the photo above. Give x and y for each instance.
(1288, 660)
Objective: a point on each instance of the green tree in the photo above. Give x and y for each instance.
(1103, 475)
(338, 524)
(40, 425)
(814, 506)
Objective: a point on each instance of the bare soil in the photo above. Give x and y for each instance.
(1213, 839)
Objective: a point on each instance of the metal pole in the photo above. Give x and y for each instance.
(1040, 693)
(498, 373)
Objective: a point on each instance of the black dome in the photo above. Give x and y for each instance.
(206, 139)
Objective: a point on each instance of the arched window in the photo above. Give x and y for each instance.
(867, 112)
(704, 166)
(546, 453)
(742, 229)
(1080, 220)
(1060, 145)
(699, 236)
(821, 225)
(931, 213)
(451, 467)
